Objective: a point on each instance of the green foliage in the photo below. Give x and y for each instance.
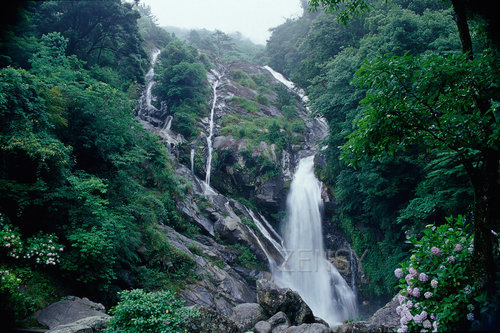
(103, 33)
(182, 86)
(22, 288)
(165, 267)
(426, 101)
(345, 9)
(77, 171)
(139, 311)
(243, 78)
(441, 288)
(247, 258)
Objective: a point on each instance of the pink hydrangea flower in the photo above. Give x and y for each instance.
(423, 277)
(416, 292)
(413, 272)
(418, 319)
(434, 283)
(398, 272)
(435, 251)
(458, 248)
(451, 259)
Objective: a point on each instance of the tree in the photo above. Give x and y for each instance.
(99, 32)
(223, 42)
(443, 103)
(347, 9)
(435, 102)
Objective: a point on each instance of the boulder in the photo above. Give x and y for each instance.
(279, 322)
(70, 328)
(308, 328)
(69, 311)
(384, 320)
(262, 327)
(84, 325)
(246, 315)
(274, 299)
(209, 321)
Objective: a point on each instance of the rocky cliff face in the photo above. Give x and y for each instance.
(260, 131)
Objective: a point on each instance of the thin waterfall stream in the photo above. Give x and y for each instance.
(306, 268)
(214, 82)
(146, 105)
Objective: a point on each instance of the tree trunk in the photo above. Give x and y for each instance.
(463, 27)
(485, 202)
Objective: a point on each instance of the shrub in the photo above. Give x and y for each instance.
(439, 286)
(142, 312)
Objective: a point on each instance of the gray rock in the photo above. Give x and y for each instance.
(279, 319)
(274, 299)
(246, 315)
(84, 325)
(209, 321)
(222, 288)
(384, 320)
(308, 328)
(321, 321)
(69, 311)
(262, 327)
(72, 329)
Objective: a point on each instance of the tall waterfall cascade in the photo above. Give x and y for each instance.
(152, 117)
(214, 79)
(147, 98)
(306, 268)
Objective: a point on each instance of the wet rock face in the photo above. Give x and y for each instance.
(222, 287)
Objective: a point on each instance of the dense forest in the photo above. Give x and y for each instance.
(91, 198)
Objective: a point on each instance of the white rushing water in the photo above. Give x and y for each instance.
(149, 79)
(306, 269)
(214, 82)
(300, 92)
(191, 158)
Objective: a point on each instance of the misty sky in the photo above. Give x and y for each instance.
(252, 18)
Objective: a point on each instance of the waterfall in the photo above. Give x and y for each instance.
(214, 83)
(307, 269)
(289, 84)
(321, 121)
(168, 123)
(147, 97)
(191, 157)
